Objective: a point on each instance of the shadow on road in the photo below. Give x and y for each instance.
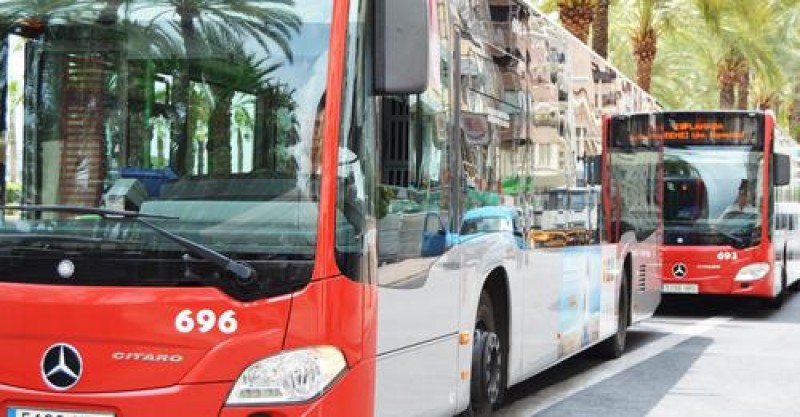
(574, 366)
(636, 391)
(704, 306)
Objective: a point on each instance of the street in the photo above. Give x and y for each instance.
(696, 357)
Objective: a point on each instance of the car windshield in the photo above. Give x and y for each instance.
(485, 225)
(712, 195)
(206, 117)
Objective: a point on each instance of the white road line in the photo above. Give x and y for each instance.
(547, 397)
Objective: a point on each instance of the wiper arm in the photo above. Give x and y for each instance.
(61, 238)
(244, 273)
(105, 213)
(738, 242)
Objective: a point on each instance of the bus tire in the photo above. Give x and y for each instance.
(795, 285)
(488, 361)
(614, 346)
(776, 302)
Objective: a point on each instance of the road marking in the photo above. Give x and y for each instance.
(553, 394)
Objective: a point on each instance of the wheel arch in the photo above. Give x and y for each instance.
(627, 275)
(497, 286)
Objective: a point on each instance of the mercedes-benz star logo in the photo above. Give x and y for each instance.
(679, 270)
(61, 366)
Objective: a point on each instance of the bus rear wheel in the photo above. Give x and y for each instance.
(488, 361)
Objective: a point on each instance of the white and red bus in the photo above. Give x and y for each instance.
(316, 208)
(728, 226)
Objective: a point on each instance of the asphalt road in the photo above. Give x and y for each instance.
(697, 357)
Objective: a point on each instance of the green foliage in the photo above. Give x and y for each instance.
(700, 34)
(385, 196)
(13, 193)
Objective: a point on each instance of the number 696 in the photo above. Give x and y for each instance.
(206, 320)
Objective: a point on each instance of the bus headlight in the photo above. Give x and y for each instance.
(292, 376)
(752, 272)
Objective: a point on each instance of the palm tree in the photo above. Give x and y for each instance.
(731, 69)
(600, 28)
(109, 14)
(253, 74)
(35, 15)
(635, 36)
(652, 18)
(576, 16)
(270, 23)
(15, 99)
(242, 109)
(750, 30)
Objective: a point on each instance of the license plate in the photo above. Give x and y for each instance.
(680, 289)
(32, 412)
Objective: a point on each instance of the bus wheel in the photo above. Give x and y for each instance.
(487, 361)
(776, 302)
(613, 347)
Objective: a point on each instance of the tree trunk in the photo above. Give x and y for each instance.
(181, 92)
(645, 47)
(11, 166)
(109, 15)
(727, 96)
(577, 18)
(600, 28)
(794, 113)
(239, 150)
(219, 132)
(743, 89)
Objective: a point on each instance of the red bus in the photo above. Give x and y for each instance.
(305, 208)
(727, 212)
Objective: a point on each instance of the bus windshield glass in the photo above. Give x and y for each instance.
(575, 200)
(205, 117)
(712, 195)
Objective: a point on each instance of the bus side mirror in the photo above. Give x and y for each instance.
(593, 170)
(401, 46)
(782, 172)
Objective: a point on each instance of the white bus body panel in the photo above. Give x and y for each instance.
(418, 316)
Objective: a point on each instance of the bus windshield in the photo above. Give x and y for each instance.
(575, 200)
(206, 118)
(712, 195)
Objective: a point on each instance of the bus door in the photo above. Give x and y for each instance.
(418, 271)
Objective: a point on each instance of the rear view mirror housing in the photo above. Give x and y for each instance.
(781, 169)
(594, 169)
(401, 46)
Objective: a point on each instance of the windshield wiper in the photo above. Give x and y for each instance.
(105, 213)
(738, 241)
(244, 273)
(27, 237)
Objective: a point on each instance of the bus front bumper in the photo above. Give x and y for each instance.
(719, 285)
(350, 395)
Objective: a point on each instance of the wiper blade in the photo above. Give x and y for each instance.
(105, 213)
(738, 241)
(244, 273)
(61, 238)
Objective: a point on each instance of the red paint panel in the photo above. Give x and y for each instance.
(328, 312)
(203, 400)
(715, 276)
(326, 260)
(103, 322)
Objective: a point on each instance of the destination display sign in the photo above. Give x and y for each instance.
(688, 128)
